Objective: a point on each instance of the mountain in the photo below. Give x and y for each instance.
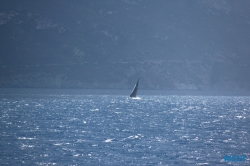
(196, 44)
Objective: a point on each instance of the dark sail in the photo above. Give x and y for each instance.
(134, 92)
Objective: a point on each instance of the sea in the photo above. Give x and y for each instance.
(78, 127)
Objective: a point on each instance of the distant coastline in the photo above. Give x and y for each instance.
(125, 92)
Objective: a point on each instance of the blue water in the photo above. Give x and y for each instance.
(75, 129)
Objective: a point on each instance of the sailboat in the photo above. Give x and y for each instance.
(134, 92)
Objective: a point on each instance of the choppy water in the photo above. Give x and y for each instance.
(73, 129)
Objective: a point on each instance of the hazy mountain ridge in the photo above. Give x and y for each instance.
(199, 45)
(191, 75)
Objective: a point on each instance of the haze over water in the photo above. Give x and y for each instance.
(79, 129)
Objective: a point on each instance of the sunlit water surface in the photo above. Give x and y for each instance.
(56, 129)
